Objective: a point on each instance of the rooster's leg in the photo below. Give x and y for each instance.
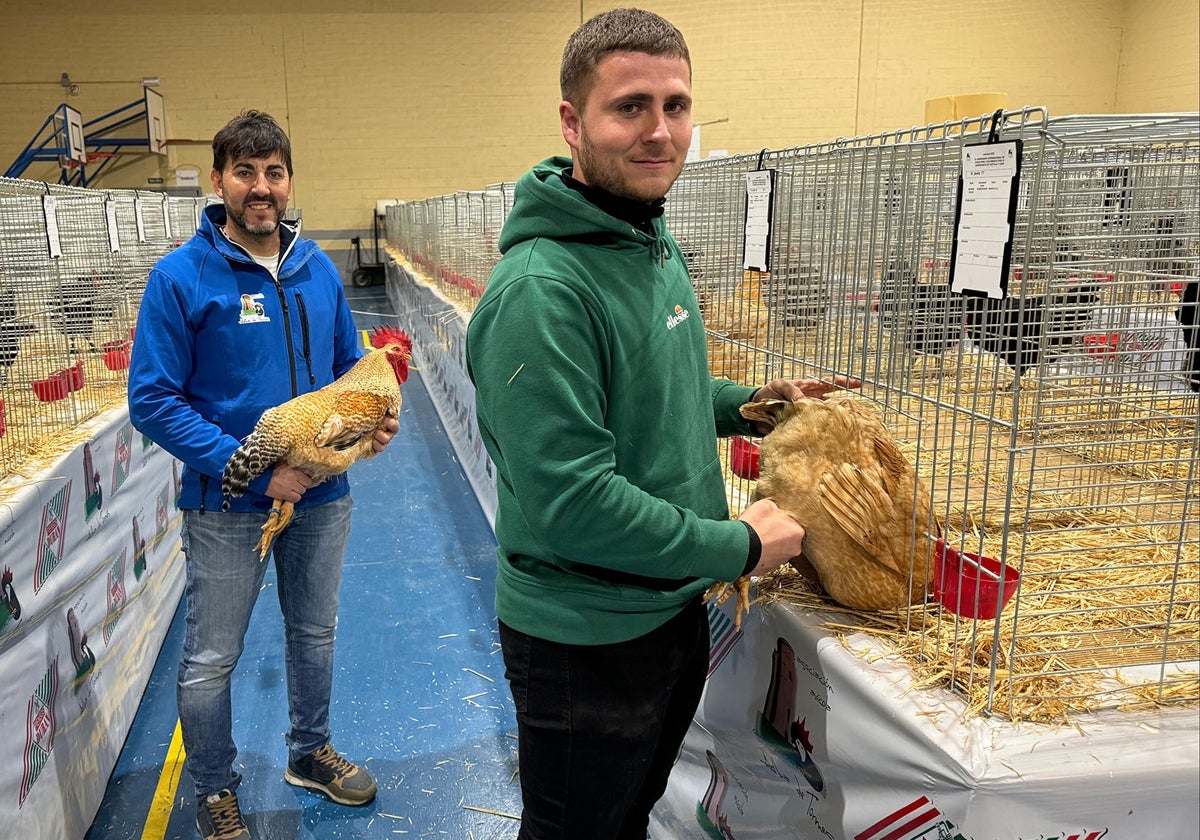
(720, 591)
(277, 520)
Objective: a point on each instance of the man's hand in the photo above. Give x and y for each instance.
(794, 390)
(288, 483)
(781, 535)
(385, 433)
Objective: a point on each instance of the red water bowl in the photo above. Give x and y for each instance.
(52, 388)
(116, 355)
(972, 586)
(743, 457)
(58, 384)
(74, 377)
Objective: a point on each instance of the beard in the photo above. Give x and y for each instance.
(264, 228)
(605, 174)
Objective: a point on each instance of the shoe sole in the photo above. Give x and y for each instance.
(300, 781)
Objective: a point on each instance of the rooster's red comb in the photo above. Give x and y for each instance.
(383, 336)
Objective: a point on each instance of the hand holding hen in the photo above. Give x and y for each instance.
(322, 433)
(836, 468)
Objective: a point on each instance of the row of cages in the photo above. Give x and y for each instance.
(73, 264)
(1055, 428)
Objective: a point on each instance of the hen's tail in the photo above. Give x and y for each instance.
(249, 461)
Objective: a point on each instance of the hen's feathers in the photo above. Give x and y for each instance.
(323, 432)
(834, 465)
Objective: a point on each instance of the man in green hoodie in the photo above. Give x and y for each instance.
(595, 402)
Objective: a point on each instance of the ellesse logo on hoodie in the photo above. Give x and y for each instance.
(677, 318)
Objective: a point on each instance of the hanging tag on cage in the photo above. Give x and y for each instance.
(139, 220)
(166, 211)
(756, 243)
(49, 210)
(988, 184)
(110, 223)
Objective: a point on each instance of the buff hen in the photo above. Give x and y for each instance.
(323, 432)
(834, 465)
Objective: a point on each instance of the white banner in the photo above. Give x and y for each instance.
(438, 328)
(92, 574)
(800, 735)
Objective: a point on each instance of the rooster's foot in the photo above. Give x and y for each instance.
(277, 520)
(720, 591)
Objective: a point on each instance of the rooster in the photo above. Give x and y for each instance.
(836, 468)
(11, 333)
(1022, 330)
(1189, 320)
(323, 432)
(926, 316)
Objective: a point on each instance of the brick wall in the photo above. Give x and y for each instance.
(407, 100)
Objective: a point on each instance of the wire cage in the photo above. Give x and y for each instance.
(1056, 429)
(453, 239)
(73, 264)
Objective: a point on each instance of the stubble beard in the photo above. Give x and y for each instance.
(260, 230)
(608, 176)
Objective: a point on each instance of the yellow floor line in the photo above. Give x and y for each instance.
(164, 796)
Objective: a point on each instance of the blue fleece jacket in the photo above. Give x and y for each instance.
(219, 341)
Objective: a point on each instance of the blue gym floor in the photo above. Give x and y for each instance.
(419, 694)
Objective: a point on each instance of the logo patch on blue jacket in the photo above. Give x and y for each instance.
(252, 310)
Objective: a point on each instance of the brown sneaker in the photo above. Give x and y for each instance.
(332, 775)
(219, 818)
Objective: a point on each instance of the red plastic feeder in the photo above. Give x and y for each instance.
(743, 457)
(52, 388)
(972, 586)
(74, 377)
(116, 355)
(58, 384)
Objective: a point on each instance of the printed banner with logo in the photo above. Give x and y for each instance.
(92, 574)
(438, 328)
(800, 735)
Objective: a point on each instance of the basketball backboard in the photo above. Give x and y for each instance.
(156, 121)
(72, 129)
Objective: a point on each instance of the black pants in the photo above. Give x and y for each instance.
(600, 726)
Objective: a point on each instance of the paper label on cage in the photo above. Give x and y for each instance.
(49, 210)
(983, 230)
(110, 222)
(757, 236)
(138, 220)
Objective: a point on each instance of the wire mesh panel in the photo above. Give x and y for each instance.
(1056, 428)
(72, 271)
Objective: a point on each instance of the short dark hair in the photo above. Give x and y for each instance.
(251, 134)
(617, 30)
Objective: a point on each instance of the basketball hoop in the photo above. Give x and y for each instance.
(91, 156)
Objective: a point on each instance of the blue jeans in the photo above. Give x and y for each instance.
(224, 576)
(600, 726)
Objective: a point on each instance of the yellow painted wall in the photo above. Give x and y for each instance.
(1160, 57)
(411, 99)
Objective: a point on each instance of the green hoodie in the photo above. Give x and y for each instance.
(594, 400)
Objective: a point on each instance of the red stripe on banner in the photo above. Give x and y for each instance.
(920, 821)
(891, 819)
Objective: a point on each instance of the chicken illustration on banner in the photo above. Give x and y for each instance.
(323, 432)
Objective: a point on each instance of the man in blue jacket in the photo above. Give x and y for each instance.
(242, 317)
